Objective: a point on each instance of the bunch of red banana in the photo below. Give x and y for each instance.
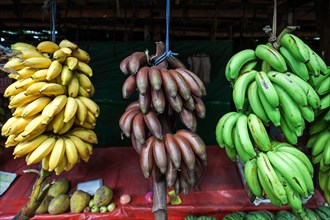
(163, 90)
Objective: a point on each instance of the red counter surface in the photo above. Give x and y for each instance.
(222, 191)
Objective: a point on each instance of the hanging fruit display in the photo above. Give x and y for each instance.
(53, 114)
(164, 89)
(284, 84)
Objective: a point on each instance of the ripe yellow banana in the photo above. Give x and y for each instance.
(45, 162)
(40, 75)
(83, 92)
(91, 119)
(10, 142)
(11, 90)
(67, 126)
(81, 54)
(91, 105)
(82, 111)
(72, 63)
(57, 154)
(37, 62)
(71, 151)
(7, 125)
(29, 53)
(57, 123)
(73, 87)
(70, 109)
(60, 168)
(47, 47)
(53, 89)
(14, 63)
(19, 111)
(18, 126)
(26, 147)
(68, 44)
(81, 147)
(59, 55)
(41, 151)
(54, 70)
(22, 99)
(86, 135)
(54, 107)
(26, 72)
(19, 46)
(84, 68)
(66, 75)
(67, 51)
(84, 81)
(34, 88)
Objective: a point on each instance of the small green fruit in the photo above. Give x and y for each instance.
(111, 207)
(91, 203)
(95, 209)
(103, 209)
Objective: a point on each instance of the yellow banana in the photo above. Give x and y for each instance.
(19, 111)
(40, 75)
(68, 166)
(11, 90)
(67, 51)
(83, 92)
(45, 162)
(26, 147)
(53, 89)
(29, 53)
(59, 169)
(19, 46)
(26, 72)
(89, 147)
(72, 63)
(41, 151)
(34, 126)
(71, 151)
(84, 68)
(18, 126)
(91, 119)
(81, 55)
(36, 106)
(7, 125)
(47, 47)
(82, 111)
(57, 154)
(14, 63)
(54, 70)
(37, 62)
(73, 86)
(22, 99)
(25, 83)
(91, 105)
(57, 123)
(84, 81)
(81, 147)
(55, 106)
(67, 43)
(86, 125)
(66, 75)
(59, 55)
(34, 88)
(86, 135)
(67, 126)
(70, 109)
(10, 142)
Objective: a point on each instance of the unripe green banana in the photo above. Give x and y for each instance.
(272, 113)
(258, 133)
(251, 176)
(255, 102)
(296, 47)
(267, 88)
(244, 136)
(219, 128)
(271, 56)
(228, 128)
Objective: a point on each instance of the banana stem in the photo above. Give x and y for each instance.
(286, 30)
(38, 193)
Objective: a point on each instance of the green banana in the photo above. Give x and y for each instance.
(240, 88)
(219, 128)
(326, 153)
(250, 65)
(300, 166)
(317, 159)
(265, 67)
(273, 114)
(267, 88)
(313, 65)
(297, 67)
(327, 116)
(228, 129)
(239, 148)
(258, 133)
(308, 214)
(244, 136)
(289, 107)
(325, 101)
(231, 153)
(255, 103)
(323, 178)
(323, 166)
(324, 86)
(296, 47)
(294, 200)
(237, 61)
(271, 56)
(307, 113)
(292, 88)
(251, 176)
(324, 69)
(298, 154)
(319, 144)
(290, 135)
(315, 81)
(318, 125)
(268, 174)
(313, 98)
(291, 175)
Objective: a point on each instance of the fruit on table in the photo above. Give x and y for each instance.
(103, 196)
(78, 201)
(59, 204)
(60, 186)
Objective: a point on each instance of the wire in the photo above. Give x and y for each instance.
(53, 20)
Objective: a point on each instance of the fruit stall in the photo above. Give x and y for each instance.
(163, 129)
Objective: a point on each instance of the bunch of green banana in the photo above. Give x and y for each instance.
(242, 135)
(283, 174)
(50, 97)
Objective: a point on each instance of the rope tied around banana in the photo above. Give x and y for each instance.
(167, 52)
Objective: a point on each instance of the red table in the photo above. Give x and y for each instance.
(222, 191)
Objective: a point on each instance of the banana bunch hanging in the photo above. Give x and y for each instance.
(53, 114)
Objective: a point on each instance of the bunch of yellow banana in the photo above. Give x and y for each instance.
(242, 136)
(50, 97)
(283, 175)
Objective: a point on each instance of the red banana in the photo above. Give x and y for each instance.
(125, 121)
(192, 83)
(189, 104)
(199, 107)
(137, 60)
(175, 102)
(173, 150)
(158, 100)
(153, 124)
(196, 143)
(146, 157)
(188, 175)
(135, 144)
(124, 65)
(188, 119)
(171, 173)
(145, 102)
(177, 186)
(197, 79)
(159, 153)
(142, 80)
(138, 128)
(183, 88)
(132, 105)
(155, 78)
(129, 86)
(187, 153)
(169, 83)
(174, 63)
(184, 185)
